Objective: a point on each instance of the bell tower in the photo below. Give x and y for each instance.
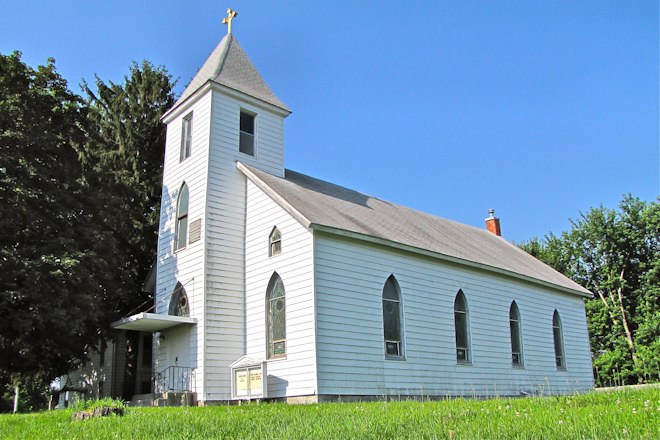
(227, 114)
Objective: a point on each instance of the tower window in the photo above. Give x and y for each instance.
(186, 137)
(246, 144)
(275, 243)
(179, 302)
(181, 219)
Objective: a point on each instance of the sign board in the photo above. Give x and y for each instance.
(248, 379)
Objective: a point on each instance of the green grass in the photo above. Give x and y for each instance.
(630, 414)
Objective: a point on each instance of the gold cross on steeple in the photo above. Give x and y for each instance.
(230, 16)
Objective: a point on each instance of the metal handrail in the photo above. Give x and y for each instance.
(175, 378)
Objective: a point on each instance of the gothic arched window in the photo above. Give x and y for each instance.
(558, 336)
(276, 317)
(516, 335)
(181, 218)
(462, 328)
(392, 319)
(179, 302)
(274, 242)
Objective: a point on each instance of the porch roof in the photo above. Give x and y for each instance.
(151, 322)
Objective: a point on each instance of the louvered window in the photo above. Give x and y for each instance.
(392, 319)
(246, 142)
(558, 336)
(275, 243)
(276, 317)
(461, 327)
(516, 336)
(181, 229)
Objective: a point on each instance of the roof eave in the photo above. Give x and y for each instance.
(284, 111)
(180, 107)
(393, 244)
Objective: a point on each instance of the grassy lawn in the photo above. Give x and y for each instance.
(616, 415)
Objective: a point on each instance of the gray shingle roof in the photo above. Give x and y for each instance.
(327, 205)
(230, 66)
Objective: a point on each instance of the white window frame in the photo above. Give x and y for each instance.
(186, 137)
(179, 219)
(558, 341)
(467, 360)
(254, 134)
(518, 323)
(400, 343)
(272, 252)
(270, 342)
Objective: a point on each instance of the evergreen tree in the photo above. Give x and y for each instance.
(124, 160)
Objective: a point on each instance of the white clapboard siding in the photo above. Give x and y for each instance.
(185, 265)
(225, 331)
(350, 276)
(295, 375)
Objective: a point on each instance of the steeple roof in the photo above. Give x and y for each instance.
(229, 66)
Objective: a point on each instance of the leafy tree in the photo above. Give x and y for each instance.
(57, 285)
(616, 255)
(124, 160)
(79, 202)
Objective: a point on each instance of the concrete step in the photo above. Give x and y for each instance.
(185, 398)
(143, 399)
(141, 402)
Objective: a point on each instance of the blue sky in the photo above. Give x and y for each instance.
(537, 109)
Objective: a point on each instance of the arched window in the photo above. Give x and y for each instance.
(181, 218)
(557, 333)
(392, 330)
(462, 328)
(179, 302)
(275, 242)
(516, 336)
(276, 317)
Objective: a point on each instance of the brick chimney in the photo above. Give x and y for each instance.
(493, 223)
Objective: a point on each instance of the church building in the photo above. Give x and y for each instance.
(272, 284)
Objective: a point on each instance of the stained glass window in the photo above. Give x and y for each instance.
(179, 302)
(275, 242)
(276, 317)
